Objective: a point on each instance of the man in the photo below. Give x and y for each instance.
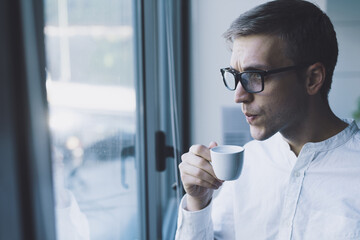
(301, 174)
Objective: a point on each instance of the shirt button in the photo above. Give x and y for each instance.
(297, 174)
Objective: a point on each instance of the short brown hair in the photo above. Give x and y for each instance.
(307, 31)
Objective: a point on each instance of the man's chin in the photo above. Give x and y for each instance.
(260, 134)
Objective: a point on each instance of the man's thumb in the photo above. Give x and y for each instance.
(212, 144)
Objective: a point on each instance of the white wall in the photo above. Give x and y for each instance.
(209, 53)
(209, 20)
(346, 82)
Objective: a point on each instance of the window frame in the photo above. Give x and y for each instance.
(27, 181)
(154, 83)
(27, 168)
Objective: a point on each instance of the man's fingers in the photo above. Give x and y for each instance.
(196, 176)
(198, 162)
(212, 144)
(191, 181)
(200, 150)
(198, 167)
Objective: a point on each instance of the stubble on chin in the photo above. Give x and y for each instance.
(261, 133)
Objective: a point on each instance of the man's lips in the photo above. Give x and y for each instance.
(250, 117)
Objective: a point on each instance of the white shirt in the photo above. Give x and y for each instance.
(315, 196)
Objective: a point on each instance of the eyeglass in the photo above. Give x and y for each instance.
(253, 80)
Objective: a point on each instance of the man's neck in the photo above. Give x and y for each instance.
(319, 125)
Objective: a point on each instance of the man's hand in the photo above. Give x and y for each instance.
(198, 176)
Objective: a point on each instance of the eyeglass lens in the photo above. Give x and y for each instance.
(229, 80)
(252, 82)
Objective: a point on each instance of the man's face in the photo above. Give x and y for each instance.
(282, 104)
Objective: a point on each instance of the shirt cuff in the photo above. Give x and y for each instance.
(194, 221)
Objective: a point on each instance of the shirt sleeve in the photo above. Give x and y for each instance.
(196, 225)
(216, 221)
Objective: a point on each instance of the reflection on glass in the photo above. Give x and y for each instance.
(91, 95)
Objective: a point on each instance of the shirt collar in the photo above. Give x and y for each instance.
(334, 141)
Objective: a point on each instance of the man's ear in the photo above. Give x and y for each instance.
(315, 78)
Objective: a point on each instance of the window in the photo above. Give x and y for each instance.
(92, 105)
(113, 81)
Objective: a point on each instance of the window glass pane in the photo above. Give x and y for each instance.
(92, 104)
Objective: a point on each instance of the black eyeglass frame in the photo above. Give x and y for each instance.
(263, 74)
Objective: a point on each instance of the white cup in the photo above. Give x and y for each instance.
(227, 161)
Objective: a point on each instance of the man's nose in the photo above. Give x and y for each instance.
(241, 95)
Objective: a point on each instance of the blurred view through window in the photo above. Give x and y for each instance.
(92, 104)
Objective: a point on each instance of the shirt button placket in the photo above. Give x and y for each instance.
(290, 204)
